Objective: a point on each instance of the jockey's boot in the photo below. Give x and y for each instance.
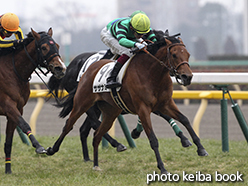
(111, 80)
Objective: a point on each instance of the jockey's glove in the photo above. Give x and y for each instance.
(140, 45)
(17, 42)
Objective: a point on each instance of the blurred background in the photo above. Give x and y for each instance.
(209, 28)
(215, 33)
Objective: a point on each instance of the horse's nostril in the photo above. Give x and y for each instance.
(183, 76)
(186, 77)
(58, 69)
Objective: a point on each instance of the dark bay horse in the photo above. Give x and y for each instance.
(17, 65)
(146, 87)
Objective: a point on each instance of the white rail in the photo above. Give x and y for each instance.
(198, 78)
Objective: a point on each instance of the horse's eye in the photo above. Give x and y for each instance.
(174, 55)
(43, 48)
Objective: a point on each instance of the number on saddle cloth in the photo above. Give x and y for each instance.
(102, 75)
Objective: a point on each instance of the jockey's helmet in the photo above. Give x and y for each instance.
(10, 22)
(140, 23)
(136, 12)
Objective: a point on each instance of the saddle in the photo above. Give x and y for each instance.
(102, 54)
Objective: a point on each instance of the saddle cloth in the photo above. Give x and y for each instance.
(102, 75)
(99, 84)
(92, 59)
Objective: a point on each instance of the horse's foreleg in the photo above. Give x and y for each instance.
(67, 128)
(103, 129)
(14, 115)
(93, 115)
(184, 141)
(176, 114)
(77, 111)
(137, 131)
(8, 146)
(147, 125)
(84, 132)
(27, 130)
(108, 116)
(119, 147)
(184, 120)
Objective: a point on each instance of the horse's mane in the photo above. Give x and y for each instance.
(18, 48)
(160, 36)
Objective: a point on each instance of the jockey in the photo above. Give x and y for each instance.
(122, 34)
(9, 24)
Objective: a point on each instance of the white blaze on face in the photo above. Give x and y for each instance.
(62, 63)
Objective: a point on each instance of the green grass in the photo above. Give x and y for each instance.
(129, 168)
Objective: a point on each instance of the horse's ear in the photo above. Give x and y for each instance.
(35, 34)
(168, 42)
(166, 33)
(50, 31)
(181, 41)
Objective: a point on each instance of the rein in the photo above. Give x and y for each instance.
(44, 60)
(172, 69)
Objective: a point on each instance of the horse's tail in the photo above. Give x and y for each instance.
(67, 104)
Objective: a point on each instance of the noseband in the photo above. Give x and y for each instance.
(173, 69)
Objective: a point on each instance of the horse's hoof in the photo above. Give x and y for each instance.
(88, 160)
(164, 172)
(202, 152)
(135, 134)
(96, 168)
(121, 148)
(40, 150)
(8, 172)
(186, 143)
(50, 151)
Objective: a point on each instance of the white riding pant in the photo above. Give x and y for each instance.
(110, 41)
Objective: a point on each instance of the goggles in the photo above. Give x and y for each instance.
(8, 32)
(139, 34)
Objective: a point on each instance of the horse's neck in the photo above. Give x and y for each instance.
(23, 64)
(156, 73)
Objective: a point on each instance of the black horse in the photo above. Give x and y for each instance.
(69, 82)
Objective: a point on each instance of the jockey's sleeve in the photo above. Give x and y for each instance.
(151, 36)
(10, 43)
(120, 29)
(19, 34)
(6, 43)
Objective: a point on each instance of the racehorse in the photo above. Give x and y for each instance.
(69, 82)
(146, 87)
(17, 65)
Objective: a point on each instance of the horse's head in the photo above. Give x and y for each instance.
(177, 58)
(48, 53)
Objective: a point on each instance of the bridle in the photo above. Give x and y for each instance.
(172, 68)
(53, 52)
(42, 60)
